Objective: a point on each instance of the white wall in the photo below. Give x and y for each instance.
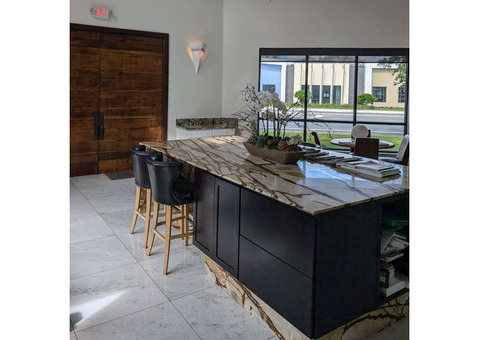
(190, 95)
(251, 24)
(234, 30)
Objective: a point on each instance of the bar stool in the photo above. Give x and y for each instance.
(170, 189)
(142, 181)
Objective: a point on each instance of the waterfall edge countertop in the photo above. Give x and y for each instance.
(311, 187)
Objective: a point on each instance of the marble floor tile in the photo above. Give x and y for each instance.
(75, 194)
(213, 314)
(81, 208)
(114, 203)
(129, 183)
(162, 322)
(105, 296)
(88, 228)
(73, 336)
(111, 188)
(90, 180)
(121, 221)
(98, 255)
(186, 272)
(134, 243)
(397, 331)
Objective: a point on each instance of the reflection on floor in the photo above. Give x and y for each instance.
(117, 292)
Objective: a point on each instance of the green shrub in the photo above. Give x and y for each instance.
(300, 95)
(365, 99)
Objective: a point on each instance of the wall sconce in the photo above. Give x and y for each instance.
(197, 49)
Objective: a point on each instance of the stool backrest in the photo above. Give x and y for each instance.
(317, 140)
(403, 150)
(367, 147)
(139, 158)
(162, 176)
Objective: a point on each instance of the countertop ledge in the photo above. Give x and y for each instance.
(311, 187)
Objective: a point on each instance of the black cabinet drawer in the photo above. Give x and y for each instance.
(283, 288)
(284, 232)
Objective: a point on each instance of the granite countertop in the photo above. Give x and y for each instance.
(206, 123)
(312, 187)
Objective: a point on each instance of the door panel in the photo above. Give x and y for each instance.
(120, 76)
(131, 97)
(84, 101)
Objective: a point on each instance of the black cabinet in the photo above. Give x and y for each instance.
(318, 272)
(203, 212)
(283, 288)
(216, 227)
(282, 231)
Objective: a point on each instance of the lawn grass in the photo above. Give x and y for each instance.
(325, 139)
(349, 107)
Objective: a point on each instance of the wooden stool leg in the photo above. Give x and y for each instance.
(168, 231)
(148, 204)
(137, 204)
(154, 227)
(185, 222)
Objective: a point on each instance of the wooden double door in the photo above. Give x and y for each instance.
(118, 95)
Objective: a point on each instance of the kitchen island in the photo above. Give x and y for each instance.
(297, 245)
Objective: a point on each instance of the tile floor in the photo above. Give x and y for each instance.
(117, 292)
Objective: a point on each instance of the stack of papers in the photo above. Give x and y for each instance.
(391, 246)
(370, 168)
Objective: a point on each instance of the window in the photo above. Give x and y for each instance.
(269, 87)
(380, 93)
(325, 94)
(337, 95)
(335, 78)
(315, 93)
(401, 94)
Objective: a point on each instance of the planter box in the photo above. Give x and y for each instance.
(278, 156)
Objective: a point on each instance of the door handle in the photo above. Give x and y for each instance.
(95, 126)
(101, 128)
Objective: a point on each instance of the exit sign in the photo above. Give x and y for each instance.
(100, 12)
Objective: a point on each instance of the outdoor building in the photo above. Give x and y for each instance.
(333, 83)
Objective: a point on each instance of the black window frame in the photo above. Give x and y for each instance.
(356, 53)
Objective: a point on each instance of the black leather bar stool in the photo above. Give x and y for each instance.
(170, 189)
(142, 181)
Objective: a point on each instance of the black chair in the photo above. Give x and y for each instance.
(170, 189)
(142, 181)
(367, 147)
(403, 153)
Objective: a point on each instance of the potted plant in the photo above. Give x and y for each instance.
(265, 117)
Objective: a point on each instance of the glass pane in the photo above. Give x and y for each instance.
(283, 58)
(332, 58)
(330, 89)
(327, 132)
(381, 91)
(382, 59)
(287, 79)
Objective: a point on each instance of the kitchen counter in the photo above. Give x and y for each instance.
(311, 187)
